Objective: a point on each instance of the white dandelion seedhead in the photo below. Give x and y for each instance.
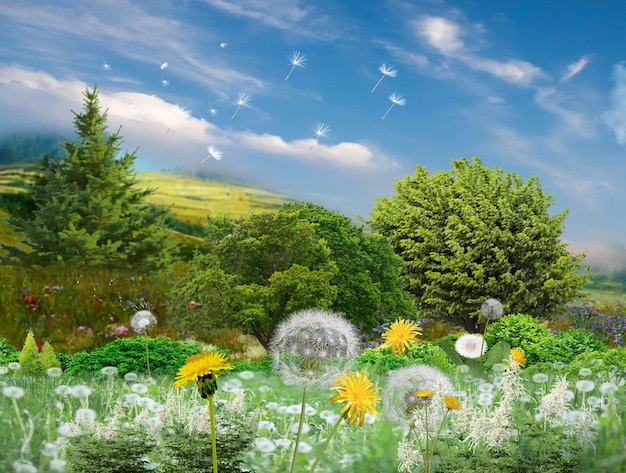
(164, 66)
(403, 382)
(105, 66)
(321, 130)
(492, 309)
(296, 60)
(223, 45)
(396, 99)
(164, 81)
(243, 101)
(13, 392)
(313, 347)
(387, 71)
(212, 110)
(142, 321)
(471, 345)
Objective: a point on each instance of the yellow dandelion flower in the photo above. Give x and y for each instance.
(202, 368)
(399, 334)
(360, 397)
(425, 393)
(518, 357)
(452, 402)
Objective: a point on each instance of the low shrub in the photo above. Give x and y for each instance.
(603, 362)
(520, 331)
(380, 360)
(129, 355)
(567, 345)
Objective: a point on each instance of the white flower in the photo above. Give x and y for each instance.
(84, 416)
(131, 377)
(485, 387)
(14, 365)
(57, 465)
(80, 390)
(304, 447)
(49, 449)
(585, 385)
(109, 371)
(585, 372)
(142, 321)
(23, 466)
(4, 370)
(54, 372)
(266, 425)
(312, 347)
(14, 392)
(139, 388)
(63, 390)
(69, 429)
(608, 388)
(485, 399)
(247, 375)
(540, 378)
(305, 428)
(471, 345)
(492, 309)
(409, 380)
(264, 445)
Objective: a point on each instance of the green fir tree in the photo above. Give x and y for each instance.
(48, 357)
(30, 359)
(89, 211)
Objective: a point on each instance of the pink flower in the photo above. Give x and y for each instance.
(121, 330)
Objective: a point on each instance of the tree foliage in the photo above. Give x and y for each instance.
(88, 209)
(369, 288)
(473, 233)
(260, 268)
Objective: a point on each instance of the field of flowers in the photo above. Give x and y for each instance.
(423, 414)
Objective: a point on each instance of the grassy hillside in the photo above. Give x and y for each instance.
(192, 198)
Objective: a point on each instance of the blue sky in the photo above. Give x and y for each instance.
(537, 88)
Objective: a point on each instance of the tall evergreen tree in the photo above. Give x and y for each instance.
(88, 208)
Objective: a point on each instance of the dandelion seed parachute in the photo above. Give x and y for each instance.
(296, 60)
(396, 99)
(386, 71)
(321, 131)
(243, 101)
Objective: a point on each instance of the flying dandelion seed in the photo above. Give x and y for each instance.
(212, 110)
(213, 153)
(105, 66)
(168, 130)
(321, 131)
(396, 99)
(164, 82)
(223, 45)
(164, 66)
(386, 71)
(296, 60)
(243, 101)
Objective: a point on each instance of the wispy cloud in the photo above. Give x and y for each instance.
(445, 36)
(615, 117)
(575, 68)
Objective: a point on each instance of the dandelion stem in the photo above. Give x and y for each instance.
(432, 454)
(387, 112)
(147, 357)
(330, 436)
(379, 81)
(213, 439)
(19, 417)
(295, 450)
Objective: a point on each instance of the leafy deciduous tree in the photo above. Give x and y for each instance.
(88, 210)
(260, 268)
(474, 233)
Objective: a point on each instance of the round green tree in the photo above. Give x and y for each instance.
(474, 233)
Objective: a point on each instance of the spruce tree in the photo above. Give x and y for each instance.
(89, 211)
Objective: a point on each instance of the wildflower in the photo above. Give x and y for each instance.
(386, 71)
(204, 369)
(313, 347)
(14, 365)
(49, 449)
(492, 309)
(396, 99)
(85, 416)
(554, 405)
(80, 390)
(109, 371)
(13, 392)
(69, 429)
(517, 356)
(54, 372)
(540, 378)
(585, 385)
(23, 466)
(296, 60)
(471, 345)
(131, 376)
(4, 370)
(355, 389)
(452, 402)
(399, 336)
(584, 372)
(246, 374)
(608, 388)
(120, 331)
(264, 445)
(57, 465)
(139, 388)
(63, 390)
(142, 321)
(410, 380)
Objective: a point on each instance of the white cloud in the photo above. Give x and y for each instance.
(615, 117)
(162, 129)
(440, 33)
(575, 68)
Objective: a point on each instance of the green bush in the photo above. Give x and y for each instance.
(7, 351)
(567, 345)
(520, 331)
(598, 362)
(30, 359)
(129, 355)
(380, 360)
(262, 365)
